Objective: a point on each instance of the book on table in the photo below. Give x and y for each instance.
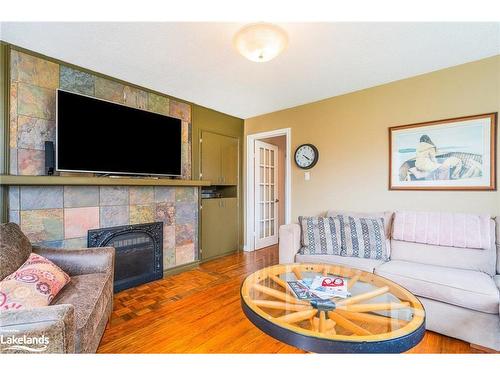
(319, 287)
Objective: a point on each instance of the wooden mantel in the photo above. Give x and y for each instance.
(94, 181)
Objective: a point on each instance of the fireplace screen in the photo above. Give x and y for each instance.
(139, 252)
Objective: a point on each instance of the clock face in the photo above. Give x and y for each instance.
(306, 156)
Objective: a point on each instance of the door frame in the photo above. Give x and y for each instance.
(250, 175)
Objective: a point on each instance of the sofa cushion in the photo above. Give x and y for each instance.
(362, 237)
(386, 215)
(359, 263)
(320, 235)
(497, 280)
(446, 256)
(34, 284)
(465, 288)
(15, 248)
(89, 295)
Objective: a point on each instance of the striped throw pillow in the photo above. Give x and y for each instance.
(362, 237)
(320, 235)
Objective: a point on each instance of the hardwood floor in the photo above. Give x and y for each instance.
(199, 311)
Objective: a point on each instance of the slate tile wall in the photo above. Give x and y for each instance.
(34, 82)
(60, 216)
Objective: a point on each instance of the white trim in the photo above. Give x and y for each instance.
(249, 194)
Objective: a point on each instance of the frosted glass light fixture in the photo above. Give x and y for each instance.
(260, 42)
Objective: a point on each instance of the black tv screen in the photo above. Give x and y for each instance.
(95, 135)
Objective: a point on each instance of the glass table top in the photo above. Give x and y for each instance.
(373, 309)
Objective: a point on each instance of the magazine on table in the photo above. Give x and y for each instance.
(320, 287)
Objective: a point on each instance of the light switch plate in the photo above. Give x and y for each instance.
(307, 176)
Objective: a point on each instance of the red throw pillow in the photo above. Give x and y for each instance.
(34, 284)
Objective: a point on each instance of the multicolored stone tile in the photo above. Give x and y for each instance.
(36, 101)
(142, 194)
(53, 244)
(77, 221)
(186, 194)
(42, 225)
(74, 243)
(34, 70)
(38, 197)
(30, 162)
(165, 212)
(109, 90)
(14, 216)
(184, 234)
(184, 254)
(180, 110)
(186, 213)
(158, 103)
(164, 194)
(32, 132)
(81, 196)
(113, 216)
(142, 214)
(13, 115)
(113, 195)
(14, 198)
(185, 131)
(186, 161)
(168, 236)
(76, 81)
(13, 161)
(168, 258)
(136, 98)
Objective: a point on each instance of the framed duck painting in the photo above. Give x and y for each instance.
(451, 154)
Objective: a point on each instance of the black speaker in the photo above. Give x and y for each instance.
(50, 158)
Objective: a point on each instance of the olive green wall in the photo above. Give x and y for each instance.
(205, 119)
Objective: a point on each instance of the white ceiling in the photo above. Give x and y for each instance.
(196, 61)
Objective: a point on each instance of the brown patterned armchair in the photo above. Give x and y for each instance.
(75, 320)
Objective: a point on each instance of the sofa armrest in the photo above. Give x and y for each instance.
(48, 329)
(289, 244)
(80, 261)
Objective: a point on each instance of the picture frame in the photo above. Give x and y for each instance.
(451, 154)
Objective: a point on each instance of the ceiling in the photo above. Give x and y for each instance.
(196, 61)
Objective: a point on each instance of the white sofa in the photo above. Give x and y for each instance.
(459, 287)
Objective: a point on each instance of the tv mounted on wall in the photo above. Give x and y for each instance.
(94, 135)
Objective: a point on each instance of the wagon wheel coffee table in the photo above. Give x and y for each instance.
(379, 317)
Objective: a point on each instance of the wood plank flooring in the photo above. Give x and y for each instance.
(199, 311)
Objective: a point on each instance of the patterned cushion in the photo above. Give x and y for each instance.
(34, 284)
(362, 237)
(320, 235)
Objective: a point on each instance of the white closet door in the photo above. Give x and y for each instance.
(266, 194)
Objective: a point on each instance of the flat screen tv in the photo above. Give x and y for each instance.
(94, 135)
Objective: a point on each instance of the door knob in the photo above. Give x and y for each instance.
(276, 201)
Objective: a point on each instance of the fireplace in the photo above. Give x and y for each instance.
(139, 252)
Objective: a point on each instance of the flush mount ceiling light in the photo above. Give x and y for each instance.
(260, 42)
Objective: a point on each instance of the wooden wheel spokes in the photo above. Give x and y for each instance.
(278, 295)
(363, 297)
(329, 326)
(353, 280)
(347, 324)
(371, 318)
(322, 322)
(282, 283)
(374, 307)
(277, 305)
(297, 273)
(297, 316)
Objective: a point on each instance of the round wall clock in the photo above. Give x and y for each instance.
(306, 156)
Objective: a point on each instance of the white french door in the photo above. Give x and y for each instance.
(266, 194)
